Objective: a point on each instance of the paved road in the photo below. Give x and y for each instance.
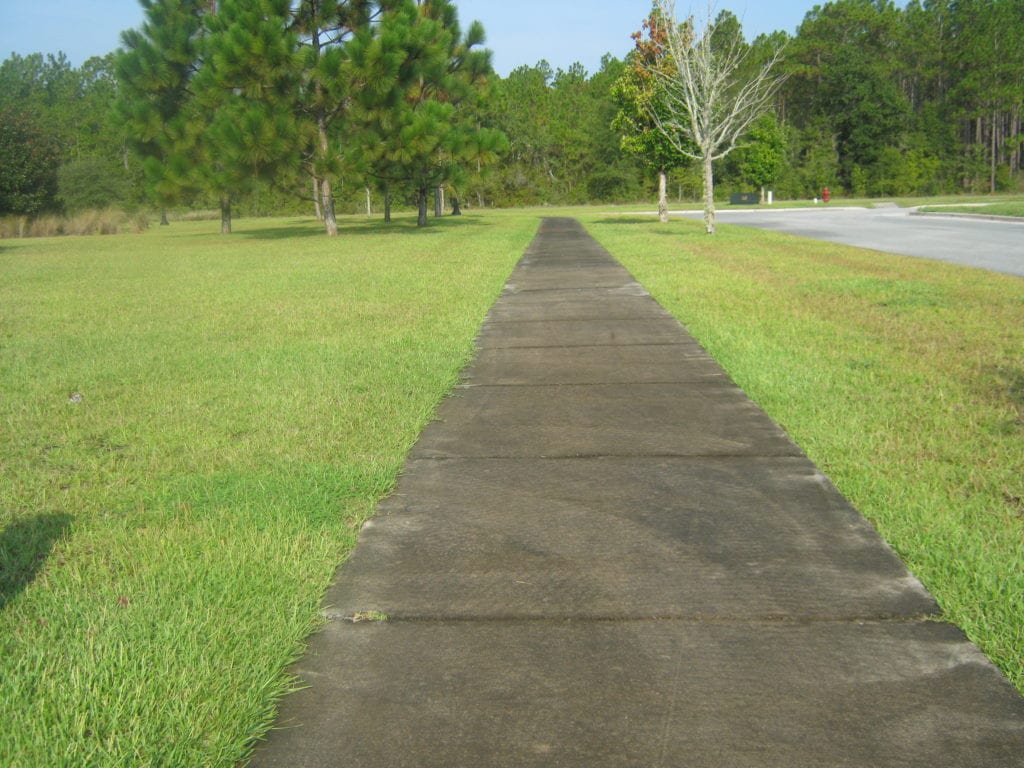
(982, 243)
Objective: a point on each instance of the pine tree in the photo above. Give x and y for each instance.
(426, 134)
(246, 88)
(155, 106)
(333, 36)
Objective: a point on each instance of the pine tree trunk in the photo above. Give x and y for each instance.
(709, 195)
(369, 208)
(662, 196)
(163, 218)
(326, 193)
(387, 205)
(438, 202)
(225, 214)
(330, 222)
(316, 199)
(421, 205)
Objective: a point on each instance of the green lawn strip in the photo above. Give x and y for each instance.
(903, 379)
(1010, 209)
(194, 427)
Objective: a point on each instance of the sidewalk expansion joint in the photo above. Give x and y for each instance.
(596, 318)
(618, 291)
(696, 619)
(682, 342)
(679, 458)
(714, 379)
(793, 454)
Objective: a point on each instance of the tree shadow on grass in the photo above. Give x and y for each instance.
(301, 229)
(626, 220)
(651, 225)
(402, 225)
(24, 547)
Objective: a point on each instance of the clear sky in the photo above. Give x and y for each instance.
(518, 31)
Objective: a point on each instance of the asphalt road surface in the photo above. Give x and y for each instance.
(974, 242)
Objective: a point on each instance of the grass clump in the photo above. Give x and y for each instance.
(903, 379)
(194, 428)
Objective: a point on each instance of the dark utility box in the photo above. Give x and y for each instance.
(745, 198)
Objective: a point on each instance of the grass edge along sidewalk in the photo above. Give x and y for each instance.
(193, 428)
(903, 379)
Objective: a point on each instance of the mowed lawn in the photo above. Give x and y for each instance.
(192, 428)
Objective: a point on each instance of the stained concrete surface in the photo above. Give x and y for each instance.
(601, 553)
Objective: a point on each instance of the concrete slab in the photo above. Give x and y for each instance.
(622, 538)
(551, 297)
(647, 694)
(574, 275)
(602, 420)
(578, 333)
(613, 364)
(570, 305)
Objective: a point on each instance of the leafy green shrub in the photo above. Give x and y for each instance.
(91, 184)
(28, 155)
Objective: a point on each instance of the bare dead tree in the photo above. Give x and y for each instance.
(707, 102)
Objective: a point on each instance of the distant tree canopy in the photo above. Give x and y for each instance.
(217, 96)
(52, 114)
(278, 106)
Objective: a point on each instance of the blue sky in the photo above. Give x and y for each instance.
(518, 31)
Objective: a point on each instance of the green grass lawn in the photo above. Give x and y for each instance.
(1012, 208)
(194, 427)
(903, 379)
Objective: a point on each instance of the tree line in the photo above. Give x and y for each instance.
(278, 106)
(218, 95)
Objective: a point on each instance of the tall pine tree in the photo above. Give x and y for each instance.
(427, 131)
(155, 106)
(246, 88)
(330, 32)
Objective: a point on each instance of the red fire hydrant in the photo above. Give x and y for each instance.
(825, 194)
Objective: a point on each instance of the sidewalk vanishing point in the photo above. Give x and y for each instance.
(603, 554)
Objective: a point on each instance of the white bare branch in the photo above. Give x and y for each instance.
(706, 105)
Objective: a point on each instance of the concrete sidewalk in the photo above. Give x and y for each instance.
(602, 553)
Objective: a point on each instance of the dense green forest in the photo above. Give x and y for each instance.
(275, 107)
